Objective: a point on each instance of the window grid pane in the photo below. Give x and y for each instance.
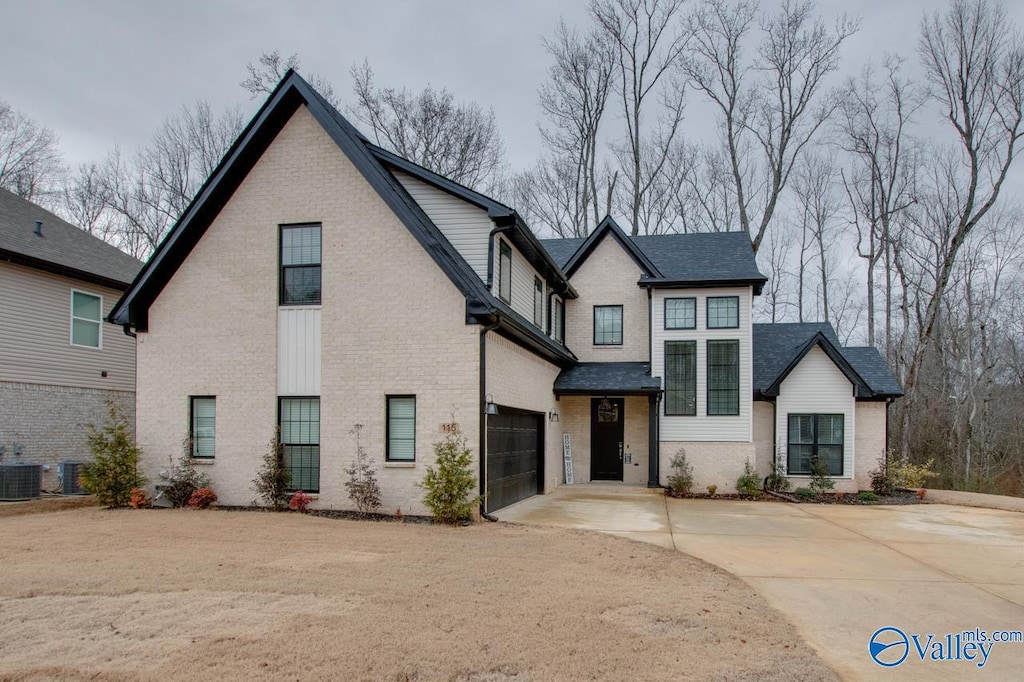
(680, 313)
(86, 319)
(538, 302)
(815, 436)
(723, 377)
(300, 438)
(402, 429)
(723, 312)
(505, 273)
(204, 427)
(557, 314)
(300, 265)
(608, 325)
(85, 333)
(681, 378)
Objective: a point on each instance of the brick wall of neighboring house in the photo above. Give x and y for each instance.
(518, 378)
(49, 422)
(714, 463)
(392, 323)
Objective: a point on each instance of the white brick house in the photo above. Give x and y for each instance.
(318, 282)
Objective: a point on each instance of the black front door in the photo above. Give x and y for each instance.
(607, 417)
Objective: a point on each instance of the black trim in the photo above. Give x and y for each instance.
(860, 387)
(707, 311)
(387, 426)
(815, 445)
(739, 379)
(538, 297)
(653, 442)
(280, 400)
(664, 311)
(192, 424)
(504, 252)
(606, 227)
(622, 331)
(281, 267)
(693, 344)
(62, 270)
(661, 283)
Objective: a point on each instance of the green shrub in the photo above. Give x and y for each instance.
(806, 494)
(777, 481)
(182, 478)
(273, 479)
(749, 483)
(881, 483)
(712, 489)
(680, 482)
(820, 481)
(362, 484)
(114, 469)
(906, 474)
(867, 496)
(449, 483)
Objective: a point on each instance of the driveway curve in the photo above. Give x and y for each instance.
(841, 573)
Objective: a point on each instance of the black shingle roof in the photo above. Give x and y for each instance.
(607, 377)
(62, 248)
(695, 257)
(777, 346)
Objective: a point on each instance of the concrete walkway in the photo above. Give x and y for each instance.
(839, 573)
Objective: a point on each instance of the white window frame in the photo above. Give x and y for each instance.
(72, 318)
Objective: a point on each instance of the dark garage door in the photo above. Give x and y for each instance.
(513, 457)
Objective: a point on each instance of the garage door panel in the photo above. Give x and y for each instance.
(513, 458)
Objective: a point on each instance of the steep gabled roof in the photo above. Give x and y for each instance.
(609, 228)
(62, 248)
(290, 94)
(779, 348)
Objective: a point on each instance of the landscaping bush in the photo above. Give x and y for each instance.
(777, 481)
(881, 483)
(712, 489)
(362, 484)
(867, 496)
(114, 470)
(449, 484)
(183, 479)
(139, 499)
(806, 494)
(273, 479)
(202, 498)
(820, 481)
(300, 501)
(897, 471)
(749, 483)
(680, 481)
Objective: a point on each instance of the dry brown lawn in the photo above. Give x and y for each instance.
(161, 594)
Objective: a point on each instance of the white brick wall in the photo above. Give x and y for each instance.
(576, 420)
(718, 464)
(392, 322)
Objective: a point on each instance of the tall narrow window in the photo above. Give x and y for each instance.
(538, 302)
(680, 313)
(504, 272)
(681, 378)
(300, 438)
(815, 437)
(723, 377)
(86, 319)
(203, 426)
(300, 265)
(723, 312)
(558, 320)
(607, 325)
(401, 445)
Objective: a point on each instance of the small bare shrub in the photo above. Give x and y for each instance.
(362, 484)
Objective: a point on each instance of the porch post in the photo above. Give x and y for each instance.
(653, 436)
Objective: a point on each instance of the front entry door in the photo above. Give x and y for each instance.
(607, 416)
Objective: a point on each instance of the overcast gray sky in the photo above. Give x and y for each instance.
(108, 72)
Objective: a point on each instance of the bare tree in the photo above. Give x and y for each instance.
(148, 192)
(30, 162)
(83, 199)
(647, 45)
(769, 107)
(270, 68)
(814, 188)
(458, 141)
(974, 60)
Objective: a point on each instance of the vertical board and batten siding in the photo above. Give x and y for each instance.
(522, 282)
(816, 386)
(466, 226)
(704, 427)
(35, 334)
(298, 351)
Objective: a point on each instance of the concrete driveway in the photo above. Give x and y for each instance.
(839, 573)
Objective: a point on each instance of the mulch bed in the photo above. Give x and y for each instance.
(334, 514)
(897, 498)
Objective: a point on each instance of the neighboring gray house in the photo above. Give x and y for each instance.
(318, 282)
(59, 363)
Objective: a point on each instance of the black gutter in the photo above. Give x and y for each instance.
(483, 416)
(62, 270)
(659, 283)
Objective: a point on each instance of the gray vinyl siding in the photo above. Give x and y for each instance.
(35, 334)
(523, 275)
(466, 226)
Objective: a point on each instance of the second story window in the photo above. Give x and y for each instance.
(680, 313)
(723, 377)
(558, 320)
(300, 265)
(505, 272)
(538, 302)
(607, 325)
(723, 312)
(86, 319)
